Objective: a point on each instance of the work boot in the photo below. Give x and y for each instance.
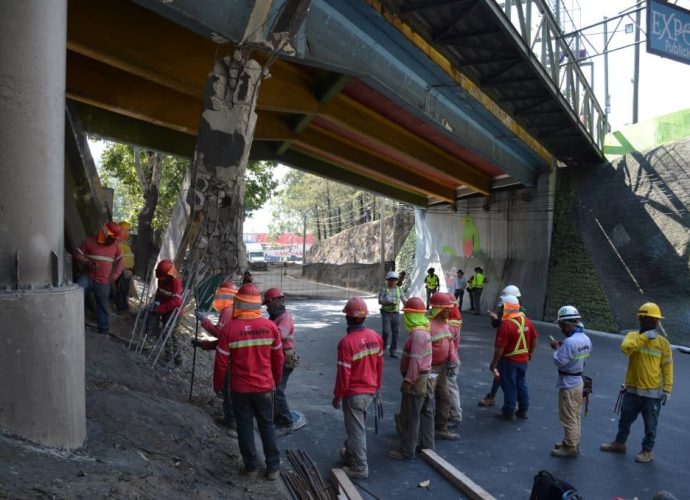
(272, 474)
(398, 427)
(521, 414)
(644, 457)
(447, 435)
(178, 359)
(564, 452)
(455, 422)
(488, 400)
(345, 456)
(506, 417)
(248, 473)
(283, 429)
(397, 455)
(614, 447)
(354, 473)
(393, 355)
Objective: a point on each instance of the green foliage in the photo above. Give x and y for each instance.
(404, 261)
(118, 171)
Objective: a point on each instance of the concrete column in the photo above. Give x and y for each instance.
(41, 318)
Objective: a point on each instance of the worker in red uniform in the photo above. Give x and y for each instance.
(223, 303)
(415, 422)
(167, 299)
(251, 345)
(444, 359)
(359, 375)
(455, 326)
(101, 263)
(516, 339)
(275, 305)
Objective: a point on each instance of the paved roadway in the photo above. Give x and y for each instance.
(502, 457)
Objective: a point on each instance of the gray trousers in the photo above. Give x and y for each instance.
(416, 421)
(454, 394)
(355, 412)
(390, 327)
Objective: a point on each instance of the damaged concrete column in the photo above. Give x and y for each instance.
(220, 160)
(41, 317)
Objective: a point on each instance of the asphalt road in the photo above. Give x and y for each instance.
(502, 457)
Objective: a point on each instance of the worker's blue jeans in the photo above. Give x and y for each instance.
(632, 406)
(390, 327)
(259, 405)
(514, 385)
(101, 293)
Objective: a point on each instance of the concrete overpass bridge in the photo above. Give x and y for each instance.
(424, 101)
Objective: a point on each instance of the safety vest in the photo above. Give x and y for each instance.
(477, 281)
(223, 298)
(127, 255)
(521, 345)
(431, 282)
(392, 307)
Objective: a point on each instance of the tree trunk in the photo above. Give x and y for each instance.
(151, 176)
(318, 224)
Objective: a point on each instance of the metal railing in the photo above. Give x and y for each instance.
(532, 23)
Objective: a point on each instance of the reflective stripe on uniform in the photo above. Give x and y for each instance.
(440, 336)
(251, 343)
(100, 257)
(652, 352)
(223, 296)
(346, 365)
(279, 346)
(223, 352)
(366, 352)
(521, 346)
(417, 356)
(166, 292)
(581, 356)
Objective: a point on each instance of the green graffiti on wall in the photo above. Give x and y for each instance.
(470, 238)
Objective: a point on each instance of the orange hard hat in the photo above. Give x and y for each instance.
(224, 296)
(110, 230)
(356, 308)
(272, 293)
(414, 305)
(248, 297)
(124, 229)
(441, 299)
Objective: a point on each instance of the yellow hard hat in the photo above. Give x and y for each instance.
(651, 310)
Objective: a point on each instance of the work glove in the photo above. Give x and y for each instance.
(154, 306)
(196, 343)
(650, 334)
(665, 398)
(201, 315)
(451, 369)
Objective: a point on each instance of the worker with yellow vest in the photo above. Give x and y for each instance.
(648, 381)
(475, 287)
(431, 284)
(516, 339)
(123, 282)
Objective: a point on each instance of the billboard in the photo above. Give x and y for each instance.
(668, 31)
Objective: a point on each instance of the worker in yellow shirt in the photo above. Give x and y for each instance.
(123, 282)
(648, 382)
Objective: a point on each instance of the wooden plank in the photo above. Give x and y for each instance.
(343, 483)
(457, 478)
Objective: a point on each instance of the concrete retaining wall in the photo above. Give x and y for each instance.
(357, 276)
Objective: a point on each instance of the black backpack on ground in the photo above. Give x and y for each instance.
(548, 487)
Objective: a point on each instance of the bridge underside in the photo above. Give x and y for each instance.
(139, 78)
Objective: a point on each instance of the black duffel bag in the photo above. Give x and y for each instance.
(548, 487)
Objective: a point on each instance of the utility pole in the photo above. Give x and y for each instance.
(636, 76)
(607, 102)
(382, 246)
(304, 239)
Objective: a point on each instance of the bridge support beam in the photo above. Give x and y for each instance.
(42, 394)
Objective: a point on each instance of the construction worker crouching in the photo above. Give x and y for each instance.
(223, 300)
(122, 284)
(359, 375)
(101, 262)
(444, 360)
(516, 339)
(250, 345)
(455, 327)
(166, 301)
(570, 358)
(415, 422)
(390, 298)
(648, 381)
(275, 305)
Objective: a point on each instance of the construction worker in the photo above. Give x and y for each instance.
(496, 320)
(516, 339)
(166, 301)
(390, 298)
(359, 375)
(459, 285)
(123, 282)
(275, 305)
(475, 287)
(415, 422)
(247, 277)
(648, 381)
(444, 360)
(455, 326)
(101, 263)
(251, 346)
(431, 283)
(570, 358)
(223, 300)
(401, 281)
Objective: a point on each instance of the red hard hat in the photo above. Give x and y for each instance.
(272, 293)
(356, 308)
(229, 284)
(441, 299)
(165, 268)
(414, 304)
(113, 228)
(110, 230)
(248, 290)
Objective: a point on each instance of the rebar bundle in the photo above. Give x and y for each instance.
(304, 481)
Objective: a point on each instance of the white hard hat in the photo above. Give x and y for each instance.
(392, 275)
(567, 313)
(511, 290)
(510, 299)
